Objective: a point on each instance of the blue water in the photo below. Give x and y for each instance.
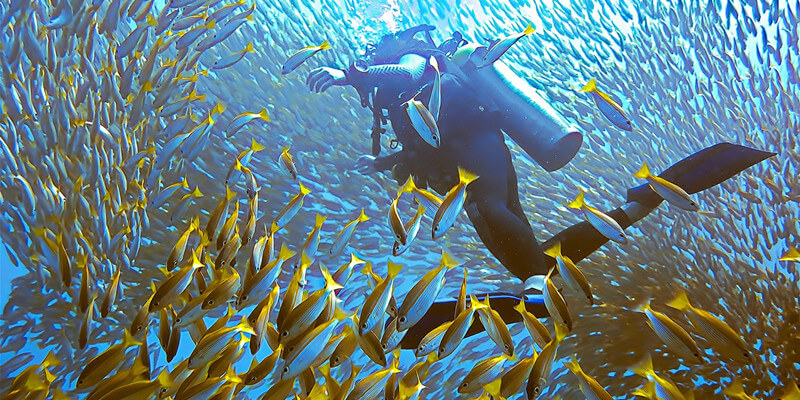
(687, 75)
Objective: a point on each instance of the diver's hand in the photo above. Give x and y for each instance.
(365, 164)
(320, 79)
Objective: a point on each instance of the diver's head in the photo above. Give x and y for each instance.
(394, 45)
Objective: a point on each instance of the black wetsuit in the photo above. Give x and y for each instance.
(470, 138)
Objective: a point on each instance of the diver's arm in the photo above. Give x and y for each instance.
(408, 70)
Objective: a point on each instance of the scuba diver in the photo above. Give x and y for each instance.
(478, 105)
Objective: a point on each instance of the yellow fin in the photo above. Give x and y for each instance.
(325, 45)
(591, 86)
(394, 269)
(578, 203)
(448, 261)
(681, 301)
(409, 186)
(465, 176)
(528, 30)
(643, 172)
(303, 190)
(554, 251)
(362, 216)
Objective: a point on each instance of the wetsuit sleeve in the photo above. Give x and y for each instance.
(408, 70)
(386, 163)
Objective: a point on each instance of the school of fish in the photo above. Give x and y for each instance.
(191, 227)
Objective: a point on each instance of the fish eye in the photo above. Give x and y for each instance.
(285, 370)
(285, 333)
(364, 326)
(505, 346)
(746, 354)
(402, 319)
(385, 346)
(178, 320)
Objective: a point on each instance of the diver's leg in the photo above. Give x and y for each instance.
(695, 173)
(506, 233)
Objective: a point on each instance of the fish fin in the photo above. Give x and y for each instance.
(528, 30)
(255, 146)
(681, 301)
(304, 190)
(643, 172)
(128, 340)
(362, 216)
(164, 379)
(408, 187)
(476, 304)
(578, 203)
(448, 261)
(591, 86)
(554, 251)
(791, 255)
(493, 388)
(644, 306)
(394, 269)
(330, 283)
(249, 48)
(285, 253)
(645, 367)
(648, 390)
(561, 333)
(520, 307)
(325, 45)
(465, 176)
(229, 194)
(150, 20)
(573, 365)
(319, 220)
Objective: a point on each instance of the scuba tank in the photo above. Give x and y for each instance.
(538, 128)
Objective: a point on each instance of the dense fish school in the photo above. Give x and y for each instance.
(190, 225)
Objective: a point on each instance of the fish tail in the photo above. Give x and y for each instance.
(150, 20)
(561, 333)
(554, 251)
(465, 176)
(493, 388)
(578, 202)
(367, 270)
(362, 217)
(409, 186)
(325, 45)
(528, 30)
(644, 306)
(645, 368)
(255, 146)
(591, 86)
(573, 365)
(263, 114)
(448, 261)
(643, 172)
(285, 253)
(229, 194)
(681, 301)
(648, 390)
(330, 283)
(128, 340)
(319, 220)
(521, 306)
(304, 190)
(394, 269)
(249, 48)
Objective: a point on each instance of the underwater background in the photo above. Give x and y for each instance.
(86, 162)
